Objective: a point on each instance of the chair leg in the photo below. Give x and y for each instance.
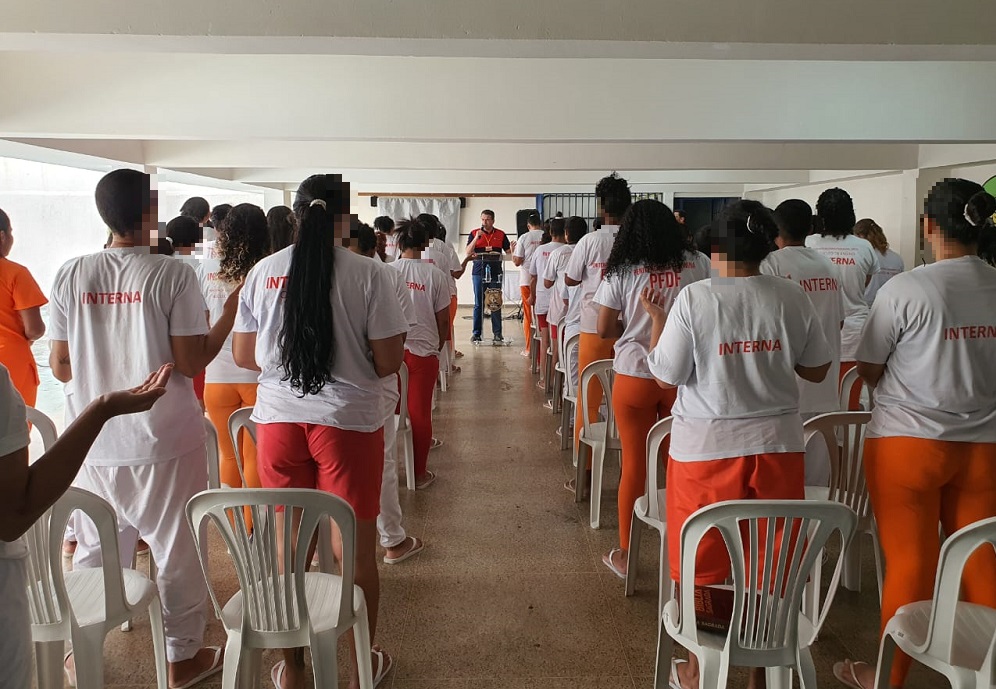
(806, 669)
(886, 655)
(636, 529)
(325, 661)
(879, 562)
(714, 671)
(235, 671)
(851, 578)
(811, 594)
(565, 424)
(779, 677)
(581, 466)
(88, 655)
(664, 582)
(50, 656)
(598, 465)
(665, 651)
(408, 454)
(158, 642)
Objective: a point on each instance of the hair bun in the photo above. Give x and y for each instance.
(980, 208)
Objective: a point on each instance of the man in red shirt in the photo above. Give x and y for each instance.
(486, 244)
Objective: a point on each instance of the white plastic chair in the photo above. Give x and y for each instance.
(600, 437)
(45, 427)
(766, 630)
(83, 605)
(444, 368)
(213, 455)
(275, 610)
(405, 441)
(954, 638)
(557, 382)
(568, 355)
(240, 420)
(847, 383)
(650, 510)
(844, 435)
(534, 345)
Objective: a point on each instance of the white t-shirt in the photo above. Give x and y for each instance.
(427, 291)
(391, 391)
(391, 249)
(365, 306)
(14, 436)
(622, 293)
(856, 260)
(934, 328)
(442, 255)
(536, 267)
(524, 248)
(732, 345)
(820, 280)
(587, 266)
(216, 292)
(555, 266)
(118, 309)
(890, 265)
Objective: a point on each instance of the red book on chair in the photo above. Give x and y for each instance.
(713, 609)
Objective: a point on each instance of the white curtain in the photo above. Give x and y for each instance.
(446, 209)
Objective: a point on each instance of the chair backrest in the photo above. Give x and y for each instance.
(844, 435)
(655, 438)
(568, 355)
(213, 454)
(768, 586)
(272, 602)
(236, 422)
(954, 554)
(847, 384)
(603, 372)
(403, 402)
(47, 597)
(45, 427)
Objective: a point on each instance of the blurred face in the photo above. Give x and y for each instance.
(150, 221)
(487, 222)
(6, 241)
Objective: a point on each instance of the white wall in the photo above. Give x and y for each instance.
(172, 195)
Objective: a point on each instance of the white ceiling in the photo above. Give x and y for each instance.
(521, 96)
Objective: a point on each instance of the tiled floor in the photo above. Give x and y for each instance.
(510, 591)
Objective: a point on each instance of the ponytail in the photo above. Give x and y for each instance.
(961, 209)
(307, 346)
(415, 233)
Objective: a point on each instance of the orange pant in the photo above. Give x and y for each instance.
(638, 404)
(591, 348)
(694, 485)
(422, 374)
(527, 315)
(222, 400)
(24, 376)
(453, 315)
(914, 483)
(854, 400)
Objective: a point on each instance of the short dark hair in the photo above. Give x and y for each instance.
(282, 226)
(614, 195)
(794, 219)
(219, 213)
(384, 223)
(744, 232)
(488, 212)
(4, 222)
(415, 233)
(680, 214)
(196, 207)
(123, 198)
(184, 231)
(835, 209)
(534, 220)
(577, 227)
(702, 239)
(366, 238)
(558, 227)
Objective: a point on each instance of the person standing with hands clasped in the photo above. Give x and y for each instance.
(733, 346)
(485, 247)
(524, 248)
(928, 351)
(650, 253)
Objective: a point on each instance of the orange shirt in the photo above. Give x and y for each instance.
(18, 291)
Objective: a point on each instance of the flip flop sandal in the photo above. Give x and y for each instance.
(426, 482)
(384, 665)
(458, 355)
(436, 443)
(216, 667)
(417, 547)
(607, 561)
(277, 673)
(844, 672)
(70, 675)
(672, 680)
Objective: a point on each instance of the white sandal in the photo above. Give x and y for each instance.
(384, 665)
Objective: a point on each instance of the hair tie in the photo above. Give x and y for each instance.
(749, 228)
(318, 202)
(968, 217)
(170, 240)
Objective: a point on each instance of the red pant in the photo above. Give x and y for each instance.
(422, 374)
(694, 485)
(638, 404)
(527, 314)
(348, 464)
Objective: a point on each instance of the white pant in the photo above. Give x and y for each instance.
(150, 501)
(15, 621)
(569, 332)
(392, 534)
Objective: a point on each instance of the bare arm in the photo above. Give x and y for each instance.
(518, 260)
(388, 355)
(193, 353)
(244, 351)
(27, 491)
(870, 373)
(532, 290)
(443, 327)
(609, 326)
(814, 374)
(34, 326)
(59, 362)
(571, 282)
